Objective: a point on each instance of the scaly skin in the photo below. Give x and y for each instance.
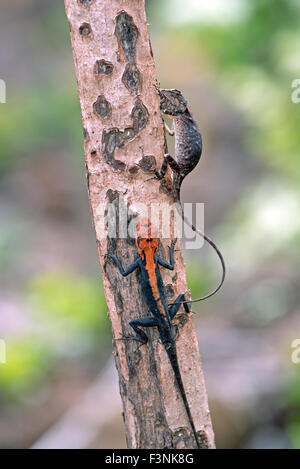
(155, 297)
(188, 149)
(188, 140)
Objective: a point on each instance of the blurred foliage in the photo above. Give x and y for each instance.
(75, 303)
(46, 112)
(256, 59)
(268, 226)
(53, 25)
(201, 280)
(7, 248)
(293, 417)
(69, 317)
(27, 365)
(39, 117)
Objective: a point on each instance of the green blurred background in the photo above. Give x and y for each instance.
(235, 61)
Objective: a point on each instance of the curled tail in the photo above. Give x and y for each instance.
(177, 183)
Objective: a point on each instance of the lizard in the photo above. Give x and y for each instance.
(188, 150)
(153, 289)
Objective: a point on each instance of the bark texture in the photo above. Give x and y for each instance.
(123, 142)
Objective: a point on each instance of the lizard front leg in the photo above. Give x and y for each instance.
(129, 269)
(168, 160)
(170, 131)
(141, 336)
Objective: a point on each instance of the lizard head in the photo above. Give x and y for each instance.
(146, 241)
(172, 102)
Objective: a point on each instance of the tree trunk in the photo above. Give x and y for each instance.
(123, 142)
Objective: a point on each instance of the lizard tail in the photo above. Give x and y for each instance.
(213, 245)
(172, 354)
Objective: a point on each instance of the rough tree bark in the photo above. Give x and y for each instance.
(123, 127)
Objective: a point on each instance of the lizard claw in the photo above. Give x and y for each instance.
(129, 337)
(109, 256)
(173, 243)
(124, 337)
(157, 175)
(151, 179)
(137, 348)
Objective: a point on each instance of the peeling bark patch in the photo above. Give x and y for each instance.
(165, 187)
(102, 107)
(170, 291)
(182, 438)
(115, 138)
(103, 67)
(203, 439)
(131, 362)
(132, 77)
(112, 195)
(139, 116)
(133, 169)
(86, 3)
(86, 136)
(148, 164)
(128, 133)
(117, 246)
(127, 34)
(119, 301)
(85, 29)
(111, 140)
(182, 320)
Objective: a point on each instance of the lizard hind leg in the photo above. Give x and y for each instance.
(141, 336)
(174, 307)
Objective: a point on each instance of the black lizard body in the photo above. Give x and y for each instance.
(154, 293)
